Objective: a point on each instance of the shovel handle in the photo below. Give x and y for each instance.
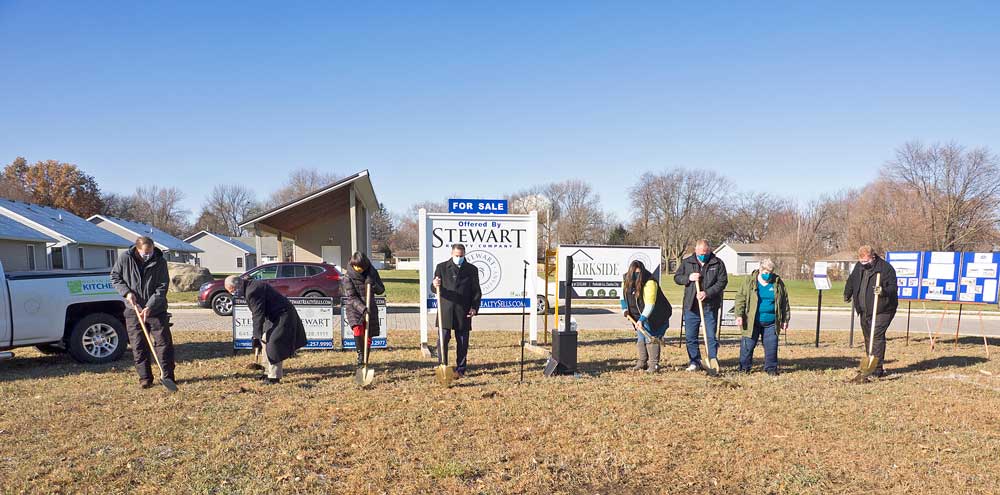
(149, 340)
(368, 297)
(442, 359)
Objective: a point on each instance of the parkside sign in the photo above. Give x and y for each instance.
(316, 314)
(598, 270)
(498, 246)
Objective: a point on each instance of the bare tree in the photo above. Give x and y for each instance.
(751, 216)
(299, 183)
(161, 208)
(956, 192)
(226, 207)
(577, 213)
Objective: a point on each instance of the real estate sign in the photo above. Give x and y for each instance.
(598, 270)
(316, 314)
(498, 245)
(379, 341)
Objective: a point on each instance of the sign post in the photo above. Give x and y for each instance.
(822, 283)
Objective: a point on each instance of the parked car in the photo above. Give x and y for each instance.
(59, 311)
(291, 279)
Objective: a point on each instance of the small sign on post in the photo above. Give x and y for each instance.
(491, 206)
(822, 283)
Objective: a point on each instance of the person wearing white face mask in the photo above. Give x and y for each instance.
(458, 281)
(762, 312)
(141, 277)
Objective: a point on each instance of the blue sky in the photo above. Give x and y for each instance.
(469, 99)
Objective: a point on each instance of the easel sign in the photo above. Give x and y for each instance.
(979, 278)
(908, 271)
(820, 278)
(940, 276)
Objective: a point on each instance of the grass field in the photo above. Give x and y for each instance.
(931, 428)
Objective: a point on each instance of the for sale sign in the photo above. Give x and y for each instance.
(316, 314)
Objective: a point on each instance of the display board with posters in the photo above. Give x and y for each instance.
(379, 341)
(316, 313)
(908, 270)
(821, 279)
(598, 270)
(498, 245)
(939, 276)
(978, 283)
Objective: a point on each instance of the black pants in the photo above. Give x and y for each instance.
(882, 322)
(163, 345)
(462, 344)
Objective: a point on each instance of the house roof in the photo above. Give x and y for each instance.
(162, 239)
(236, 243)
(13, 230)
(364, 187)
(752, 248)
(64, 226)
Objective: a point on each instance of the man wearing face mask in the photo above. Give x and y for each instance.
(458, 281)
(141, 277)
(861, 289)
(709, 271)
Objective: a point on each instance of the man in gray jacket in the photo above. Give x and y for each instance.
(141, 277)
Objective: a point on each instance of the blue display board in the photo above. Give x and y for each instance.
(978, 283)
(908, 272)
(940, 273)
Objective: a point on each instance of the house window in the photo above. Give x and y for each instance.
(79, 251)
(110, 255)
(239, 262)
(57, 258)
(31, 257)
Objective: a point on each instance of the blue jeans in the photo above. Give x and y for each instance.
(692, 329)
(747, 344)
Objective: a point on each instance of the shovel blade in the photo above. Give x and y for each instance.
(444, 374)
(168, 384)
(364, 376)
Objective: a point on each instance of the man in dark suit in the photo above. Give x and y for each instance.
(458, 281)
(284, 334)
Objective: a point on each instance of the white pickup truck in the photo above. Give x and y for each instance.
(58, 311)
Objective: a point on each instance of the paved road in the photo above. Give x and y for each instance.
(407, 318)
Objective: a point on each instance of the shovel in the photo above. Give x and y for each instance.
(365, 375)
(255, 365)
(642, 331)
(445, 374)
(166, 382)
(711, 365)
(870, 361)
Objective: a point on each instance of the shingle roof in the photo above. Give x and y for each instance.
(237, 243)
(66, 224)
(16, 231)
(161, 238)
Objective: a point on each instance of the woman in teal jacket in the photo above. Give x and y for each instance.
(644, 304)
(762, 312)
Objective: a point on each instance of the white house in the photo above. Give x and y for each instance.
(78, 244)
(841, 263)
(406, 260)
(743, 259)
(223, 254)
(173, 248)
(21, 247)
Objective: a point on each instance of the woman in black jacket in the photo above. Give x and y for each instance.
(361, 274)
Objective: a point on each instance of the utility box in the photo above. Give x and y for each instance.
(564, 351)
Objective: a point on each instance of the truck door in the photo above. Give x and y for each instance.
(6, 325)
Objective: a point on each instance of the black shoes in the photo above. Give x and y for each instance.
(772, 372)
(144, 384)
(269, 381)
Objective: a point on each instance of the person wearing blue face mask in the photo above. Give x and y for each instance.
(702, 269)
(762, 312)
(458, 281)
(646, 308)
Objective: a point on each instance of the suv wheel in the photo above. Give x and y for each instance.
(98, 338)
(542, 306)
(222, 304)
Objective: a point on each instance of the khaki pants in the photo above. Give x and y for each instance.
(273, 370)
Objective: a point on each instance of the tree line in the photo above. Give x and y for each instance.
(935, 197)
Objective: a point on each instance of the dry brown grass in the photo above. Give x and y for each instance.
(934, 429)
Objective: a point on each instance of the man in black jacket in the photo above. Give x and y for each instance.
(284, 333)
(709, 271)
(141, 277)
(458, 281)
(861, 289)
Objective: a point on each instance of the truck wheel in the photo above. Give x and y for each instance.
(50, 349)
(222, 304)
(98, 338)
